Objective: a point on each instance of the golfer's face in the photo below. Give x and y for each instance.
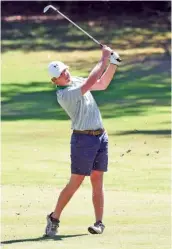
(65, 76)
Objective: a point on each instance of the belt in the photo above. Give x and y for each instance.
(90, 132)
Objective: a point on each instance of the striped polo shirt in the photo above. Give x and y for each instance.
(82, 109)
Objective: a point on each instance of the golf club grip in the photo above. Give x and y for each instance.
(101, 45)
(119, 59)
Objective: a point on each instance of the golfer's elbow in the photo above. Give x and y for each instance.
(103, 84)
(87, 86)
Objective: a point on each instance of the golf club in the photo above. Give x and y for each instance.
(55, 9)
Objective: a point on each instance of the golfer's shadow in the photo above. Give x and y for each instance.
(57, 237)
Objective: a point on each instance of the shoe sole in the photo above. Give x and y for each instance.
(92, 231)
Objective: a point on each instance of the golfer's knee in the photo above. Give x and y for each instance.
(96, 176)
(97, 181)
(76, 180)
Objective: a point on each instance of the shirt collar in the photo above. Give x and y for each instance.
(61, 87)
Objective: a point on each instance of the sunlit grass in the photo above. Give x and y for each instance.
(36, 142)
(136, 186)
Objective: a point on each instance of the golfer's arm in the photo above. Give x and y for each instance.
(105, 79)
(94, 75)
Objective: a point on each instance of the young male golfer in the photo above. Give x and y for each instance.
(89, 140)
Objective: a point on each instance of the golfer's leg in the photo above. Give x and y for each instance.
(100, 166)
(97, 193)
(66, 194)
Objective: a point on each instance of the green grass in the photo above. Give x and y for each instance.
(36, 137)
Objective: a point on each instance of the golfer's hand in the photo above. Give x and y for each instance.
(115, 58)
(106, 52)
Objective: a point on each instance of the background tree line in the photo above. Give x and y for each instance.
(88, 8)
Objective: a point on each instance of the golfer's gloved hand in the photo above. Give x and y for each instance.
(106, 51)
(115, 59)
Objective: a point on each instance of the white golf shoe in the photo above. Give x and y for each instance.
(52, 226)
(97, 228)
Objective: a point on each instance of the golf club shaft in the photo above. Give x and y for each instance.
(93, 39)
(78, 27)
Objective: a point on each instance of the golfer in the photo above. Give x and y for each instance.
(89, 140)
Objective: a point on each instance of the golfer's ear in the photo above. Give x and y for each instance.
(53, 80)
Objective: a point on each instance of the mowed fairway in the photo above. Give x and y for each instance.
(36, 152)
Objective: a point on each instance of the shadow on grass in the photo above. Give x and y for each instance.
(38, 104)
(132, 91)
(43, 238)
(37, 35)
(144, 132)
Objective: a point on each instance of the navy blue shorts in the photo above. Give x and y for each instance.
(89, 153)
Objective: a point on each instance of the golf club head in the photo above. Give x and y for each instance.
(48, 7)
